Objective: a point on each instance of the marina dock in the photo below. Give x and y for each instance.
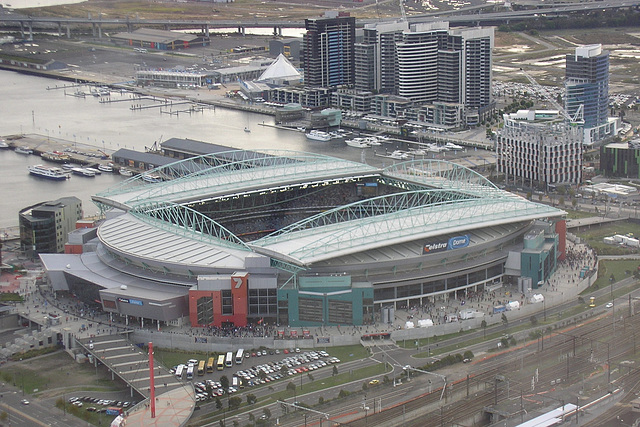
(79, 153)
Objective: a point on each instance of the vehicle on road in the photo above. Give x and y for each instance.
(24, 401)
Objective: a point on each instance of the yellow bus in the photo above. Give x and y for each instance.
(210, 363)
(220, 362)
(201, 368)
(592, 302)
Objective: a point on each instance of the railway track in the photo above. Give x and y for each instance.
(591, 350)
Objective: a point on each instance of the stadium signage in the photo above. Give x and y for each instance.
(459, 242)
(453, 243)
(130, 301)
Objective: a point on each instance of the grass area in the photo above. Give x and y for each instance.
(619, 269)
(594, 237)
(572, 214)
(10, 297)
(55, 371)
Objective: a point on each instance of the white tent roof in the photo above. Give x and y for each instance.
(279, 69)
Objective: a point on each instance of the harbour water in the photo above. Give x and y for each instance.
(29, 108)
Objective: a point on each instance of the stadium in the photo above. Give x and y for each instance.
(291, 238)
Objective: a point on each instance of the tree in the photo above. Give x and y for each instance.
(267, 412)
(283, 370)
(225, 383)
(504, 319)
(234, 402)
(468, 354)
(533, 320)
(251, 399)
(310, 376)
(335, 370)
(291, 386)
(483, 325)
(218, 403)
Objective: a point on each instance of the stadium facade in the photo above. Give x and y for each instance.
(291, 238)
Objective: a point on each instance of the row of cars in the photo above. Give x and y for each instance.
(290, 365)
(267, 372)
(116, 405)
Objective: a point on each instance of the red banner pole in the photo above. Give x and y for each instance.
(152, 385)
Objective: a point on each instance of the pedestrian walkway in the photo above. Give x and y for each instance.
(175, 399)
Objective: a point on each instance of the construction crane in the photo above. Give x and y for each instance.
(576, 119)
(404, 15)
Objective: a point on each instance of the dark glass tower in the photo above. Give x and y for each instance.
(587, 83)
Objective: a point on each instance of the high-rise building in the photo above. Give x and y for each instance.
(587, 89)
(44, 227)
(428, 63)
(376, 57)
(328, 52)
(539, 149)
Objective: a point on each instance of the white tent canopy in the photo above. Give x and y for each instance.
(280, 69)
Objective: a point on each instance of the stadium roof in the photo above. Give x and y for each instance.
(439, 198)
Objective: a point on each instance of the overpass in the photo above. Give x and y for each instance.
(175, 399)
(470, 17)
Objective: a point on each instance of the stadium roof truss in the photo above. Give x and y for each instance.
(438, 198)
(229, 173)
(186, 222)
(394, 219)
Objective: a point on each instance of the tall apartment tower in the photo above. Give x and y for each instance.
(476, 46)
(427, 63)
(587, 85)
(328, 52)
(418, 61)
(376, 57)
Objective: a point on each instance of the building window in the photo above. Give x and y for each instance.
(227, 302)
(204, 307)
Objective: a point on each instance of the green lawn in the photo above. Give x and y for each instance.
(620, 269)
(595, 235)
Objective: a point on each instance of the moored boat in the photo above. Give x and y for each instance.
(56, 156)
(247, 130)
(105, 168)
(83, 172)
(23, 150)
(151, 178)
(94, 170)
(48, 172)
(3, 144)
(125, 172)
(318, 135)
(357, 143)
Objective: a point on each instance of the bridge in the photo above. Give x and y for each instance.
(471, 16)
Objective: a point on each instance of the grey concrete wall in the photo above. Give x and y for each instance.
(224, 344)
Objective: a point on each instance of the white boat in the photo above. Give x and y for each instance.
(357, 143)
(95, 171)
(151, 178)
(452, 146)
(23, 150)
(105, 168)
(247, 130)
(48, 172)
(83, 172)
(69, 166)
(3, 144)
(399, 155)
(126, 172)
(318, 135)
(372, 140)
